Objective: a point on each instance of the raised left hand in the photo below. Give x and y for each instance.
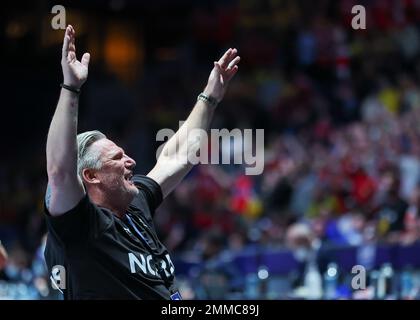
(222, 73)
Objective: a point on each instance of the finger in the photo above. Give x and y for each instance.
(224, 60)
(86, 59)
(72, 33)
(71, 57)
(65, 46)
(72, 46)
(233, 53)
(231, 56)
(233, 63)
(66, 42)
(231, 73)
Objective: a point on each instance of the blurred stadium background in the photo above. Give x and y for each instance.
(341, 114)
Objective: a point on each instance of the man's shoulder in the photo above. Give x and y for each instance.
(150, 192)
(83, 222)
(139, 202)
(142, 181)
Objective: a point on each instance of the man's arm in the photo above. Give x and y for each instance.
(170, 168)
(3, 257)
(65, 187)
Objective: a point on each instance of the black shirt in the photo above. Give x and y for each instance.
(105, 257)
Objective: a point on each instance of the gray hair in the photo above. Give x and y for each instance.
(86, 157)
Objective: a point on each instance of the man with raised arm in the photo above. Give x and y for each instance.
(102, 242)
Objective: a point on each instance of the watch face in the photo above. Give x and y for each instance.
(212, 101)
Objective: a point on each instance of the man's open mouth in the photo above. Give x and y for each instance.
(128, 177)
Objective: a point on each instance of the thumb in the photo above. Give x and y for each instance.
(86, 59)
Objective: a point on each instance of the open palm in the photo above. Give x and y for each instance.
(74, 72)
(222, 73)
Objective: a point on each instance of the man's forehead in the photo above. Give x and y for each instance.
(105, 145)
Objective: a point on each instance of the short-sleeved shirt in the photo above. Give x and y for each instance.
(102, 256)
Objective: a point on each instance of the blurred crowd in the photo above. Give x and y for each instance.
(340, 109)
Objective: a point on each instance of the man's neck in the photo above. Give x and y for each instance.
(117, 207)
(119, 211)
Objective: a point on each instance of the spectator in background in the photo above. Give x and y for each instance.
(392, 207)
(306, 248)
(411, 232)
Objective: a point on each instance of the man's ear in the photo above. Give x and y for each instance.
(90, 176)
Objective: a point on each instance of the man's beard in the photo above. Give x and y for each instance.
(123, 190)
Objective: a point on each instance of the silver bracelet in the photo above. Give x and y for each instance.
(208, 99)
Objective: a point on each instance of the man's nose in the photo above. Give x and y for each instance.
(130, 163)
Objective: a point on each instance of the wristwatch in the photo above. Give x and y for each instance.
(208, 99)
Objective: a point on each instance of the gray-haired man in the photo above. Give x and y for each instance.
(99, 214)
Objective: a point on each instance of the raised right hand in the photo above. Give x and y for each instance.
(74, 72)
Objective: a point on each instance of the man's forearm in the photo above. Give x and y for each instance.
(199, 118)
(61, 141)
(171, 166)
(65, 188)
